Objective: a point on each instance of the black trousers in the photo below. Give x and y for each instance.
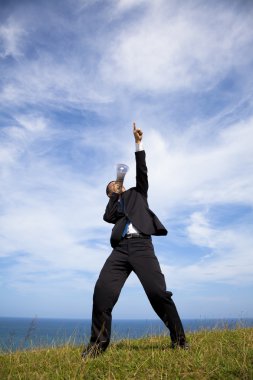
(135, 254)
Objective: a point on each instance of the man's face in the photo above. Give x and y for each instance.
(115, 187)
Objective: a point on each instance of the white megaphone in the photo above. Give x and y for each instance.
(121, 170)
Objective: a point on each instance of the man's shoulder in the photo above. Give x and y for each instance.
(132, 192)
(128, 191)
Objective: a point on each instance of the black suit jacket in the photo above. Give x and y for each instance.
(136, 209)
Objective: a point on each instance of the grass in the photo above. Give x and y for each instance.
(216, 354)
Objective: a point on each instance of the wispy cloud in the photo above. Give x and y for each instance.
(176, 46)
(203, 171)
(11, 38)
(229, 259)
(73, 80)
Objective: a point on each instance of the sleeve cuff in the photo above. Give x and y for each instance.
(138, 147)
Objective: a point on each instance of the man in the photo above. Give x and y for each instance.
(134, 223)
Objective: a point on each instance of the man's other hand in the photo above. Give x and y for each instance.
(137, 134)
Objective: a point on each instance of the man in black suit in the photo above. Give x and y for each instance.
(134, 223)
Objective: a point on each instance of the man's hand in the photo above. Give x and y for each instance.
(137, 134)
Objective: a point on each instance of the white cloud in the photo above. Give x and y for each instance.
(170, 47)
(125, 5)
(229, 261)
(43, 75)
(200, 232)
(197, 170)
(11, 38)
(166, 47)
(33, 123)
(190, 171)
(6, 155)
(52, 220)
(48, 210)
(51, 204)
(16, 138)
(51, 212)
(48, 82)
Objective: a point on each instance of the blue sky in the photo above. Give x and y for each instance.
(75, 74)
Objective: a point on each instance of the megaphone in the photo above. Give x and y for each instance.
(121, 170)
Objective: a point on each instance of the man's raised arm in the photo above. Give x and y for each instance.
(141, 168)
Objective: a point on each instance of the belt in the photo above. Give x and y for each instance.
(140, 235)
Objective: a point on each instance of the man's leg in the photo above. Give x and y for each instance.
(107, 289)
(147, 268)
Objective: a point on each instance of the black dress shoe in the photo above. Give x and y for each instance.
(91, 352)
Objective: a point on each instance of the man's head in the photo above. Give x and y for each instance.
(114, 187)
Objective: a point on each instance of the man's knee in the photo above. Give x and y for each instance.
(104, 296)
(158, 294)
(101, 290)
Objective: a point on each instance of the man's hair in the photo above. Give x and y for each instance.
(107, 188)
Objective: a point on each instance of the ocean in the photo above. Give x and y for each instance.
(27, 333)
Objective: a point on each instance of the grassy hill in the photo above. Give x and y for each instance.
(216, 354)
